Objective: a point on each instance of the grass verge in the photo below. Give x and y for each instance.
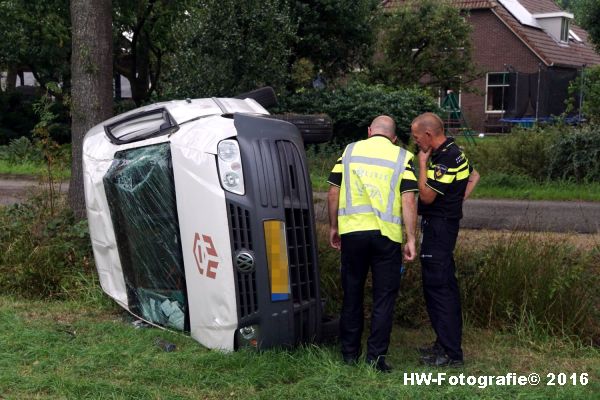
(518, 187)
(493, 185)
(31, 169)
(55, 350)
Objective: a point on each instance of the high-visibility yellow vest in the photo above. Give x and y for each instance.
(370, 191)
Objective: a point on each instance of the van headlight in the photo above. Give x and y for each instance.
(231, 173)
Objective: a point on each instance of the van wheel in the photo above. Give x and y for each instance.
(316, 128)
(264, 96)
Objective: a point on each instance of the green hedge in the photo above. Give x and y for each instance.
(544, 153)
(353, 107)
(576, 155)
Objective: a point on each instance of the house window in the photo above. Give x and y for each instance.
(497, 82)
(564, 30)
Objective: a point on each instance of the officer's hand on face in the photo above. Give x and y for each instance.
(410, 251)
(424, 156)
(334, 239)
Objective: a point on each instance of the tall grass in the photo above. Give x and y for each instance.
(520, 281)
(514, 283)
(321, 159)
(44, 251)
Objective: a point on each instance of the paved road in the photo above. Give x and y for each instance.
(539, 216)
(548, 216)
(17, 189)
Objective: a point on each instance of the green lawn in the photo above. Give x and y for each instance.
(69, 350)
(507, 187)
(30, 169)
(518, 188)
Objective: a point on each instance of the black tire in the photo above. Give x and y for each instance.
(316, 128)
(264, 96)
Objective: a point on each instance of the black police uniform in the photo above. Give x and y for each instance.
(448, 175)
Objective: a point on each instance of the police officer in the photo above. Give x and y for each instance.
(372, 191)
(445, 179)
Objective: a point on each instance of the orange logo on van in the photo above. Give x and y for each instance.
(207, 259)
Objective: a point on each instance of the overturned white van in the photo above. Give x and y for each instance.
(201, 220)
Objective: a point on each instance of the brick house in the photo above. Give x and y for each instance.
(527, 51)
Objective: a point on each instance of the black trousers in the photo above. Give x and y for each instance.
(361, 250)
(440, 287)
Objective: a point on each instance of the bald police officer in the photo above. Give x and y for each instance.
(372, 191)
(446, 179)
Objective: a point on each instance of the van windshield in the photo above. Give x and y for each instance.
(141, 196)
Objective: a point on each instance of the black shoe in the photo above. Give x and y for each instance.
(380, 366)
(441, 360)
(350, 360)
(434, 349)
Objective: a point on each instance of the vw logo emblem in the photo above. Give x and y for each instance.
(244, 261)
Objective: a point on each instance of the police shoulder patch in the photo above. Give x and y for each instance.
(439, 170)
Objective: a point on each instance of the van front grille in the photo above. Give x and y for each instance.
(242, 240)
(299, 242)
(297, 198)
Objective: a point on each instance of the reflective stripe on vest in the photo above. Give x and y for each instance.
(398, 168)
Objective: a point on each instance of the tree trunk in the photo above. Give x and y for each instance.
(91, 82)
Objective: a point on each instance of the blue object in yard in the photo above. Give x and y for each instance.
(526, 122)
(529, 122)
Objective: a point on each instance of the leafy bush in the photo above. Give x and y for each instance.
(523, 152)
(21, 150)
(576, 155)
(548, 152)
(42, 254)
(353, 107)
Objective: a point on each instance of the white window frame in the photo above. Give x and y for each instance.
(439, 99)
(487, 86)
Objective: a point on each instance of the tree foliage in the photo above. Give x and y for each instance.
(144, 33)
(36, 37)
(565, 4)
(587, 13)
(225, 47)
(425, 41)
(591, 93)
(335, 35)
